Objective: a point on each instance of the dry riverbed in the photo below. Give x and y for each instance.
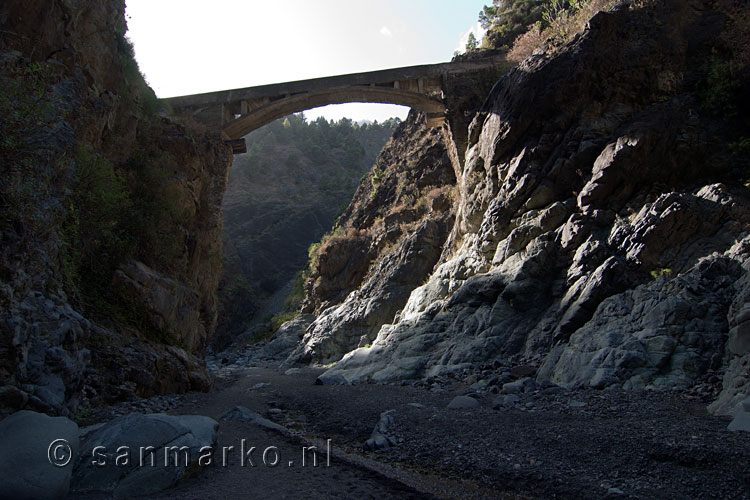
(549, 443)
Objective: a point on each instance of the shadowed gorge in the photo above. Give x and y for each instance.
(282, 197)
(536, 285)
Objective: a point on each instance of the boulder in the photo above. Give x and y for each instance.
(741, 421)
(519, 386)
(505, 401)
(31, 443)
(116, 458)
(463, 403)
(379, 439)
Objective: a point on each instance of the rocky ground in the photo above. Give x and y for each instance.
(517, 441)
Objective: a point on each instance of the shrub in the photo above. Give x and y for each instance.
(95, 233)
(297, 295)
(658, 273)
(720, 88)
(148, 104)
(280, 318)
(560, 21)
(526, 44)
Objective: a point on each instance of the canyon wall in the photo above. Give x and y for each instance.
(111, 218)
(597, 233)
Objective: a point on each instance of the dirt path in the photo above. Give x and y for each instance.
(334, 479)
(550, 444)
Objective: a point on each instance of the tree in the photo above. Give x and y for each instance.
(471, 43)
(505, 20)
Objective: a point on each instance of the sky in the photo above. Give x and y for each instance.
(194, 46)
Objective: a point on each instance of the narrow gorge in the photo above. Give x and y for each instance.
(542, 293)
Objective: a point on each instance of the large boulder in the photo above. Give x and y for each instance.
(37, 456)
(285, 339)
(112, 460)
(741, 421)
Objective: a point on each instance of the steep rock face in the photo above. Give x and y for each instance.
(593, 234)
(81, 138)
(388, 241)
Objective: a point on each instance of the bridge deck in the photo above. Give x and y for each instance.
(237, 112)
(314, 84)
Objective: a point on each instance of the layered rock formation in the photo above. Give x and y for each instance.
(601, 228)
(110, 222)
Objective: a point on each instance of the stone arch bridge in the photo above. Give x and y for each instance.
(240, 111)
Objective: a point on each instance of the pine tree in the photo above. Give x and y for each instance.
(471, 43)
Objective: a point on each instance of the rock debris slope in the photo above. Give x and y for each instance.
(600, 232)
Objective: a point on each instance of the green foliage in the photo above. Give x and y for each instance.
(126, 54)
(664, 271)
(240, 284)
(156, 208)
(376, 176)
(95, 232)
(82, 414)
(721, 87)
(320, 142)
(558, 22)
(292, 160)
(505, 20)
(297, 295)
(290, 310)
(114, 213)
(741, 146)
(105, 224)
(472, 43)
(279, 319)
(313, 250)
(553, 9)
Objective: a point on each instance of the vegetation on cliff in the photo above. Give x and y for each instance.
(519, 27)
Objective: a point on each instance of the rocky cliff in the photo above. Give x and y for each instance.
(110, 221)
(386, 243)
(597, 233)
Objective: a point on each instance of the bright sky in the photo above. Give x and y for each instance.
(193, 46)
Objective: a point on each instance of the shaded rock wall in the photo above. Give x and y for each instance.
(601, 231)
(77, 105)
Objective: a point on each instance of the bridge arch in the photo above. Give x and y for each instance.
(274, 110)
(239, 111)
